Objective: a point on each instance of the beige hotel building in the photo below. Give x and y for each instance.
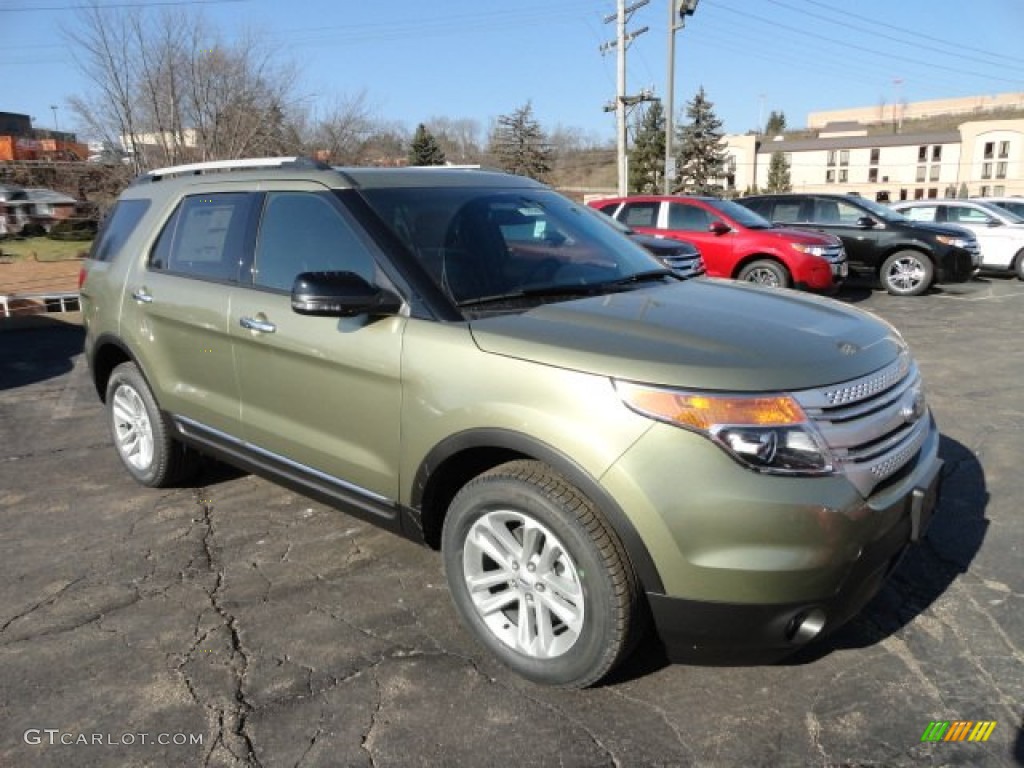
(984, 154)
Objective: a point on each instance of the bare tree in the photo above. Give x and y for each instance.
(340, 134)
(459, 138)
(171, 90)
(103, 50)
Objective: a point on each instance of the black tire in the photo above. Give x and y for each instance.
(573, 561)
(1018, 264)
(907, 273)
(766, 272)
(157, 461)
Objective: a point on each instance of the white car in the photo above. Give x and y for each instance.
(1014, 205)
(1000, 233)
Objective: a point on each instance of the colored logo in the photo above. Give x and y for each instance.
(958, 730)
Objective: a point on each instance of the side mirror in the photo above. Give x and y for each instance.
(995, 223)
(866, 221)
(719, 228)
(340, 294)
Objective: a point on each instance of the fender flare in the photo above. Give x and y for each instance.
(528, 446)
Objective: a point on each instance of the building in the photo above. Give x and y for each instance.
(20, 141)
(897, 112)
(979, 157)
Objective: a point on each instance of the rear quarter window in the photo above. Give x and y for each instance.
(117, 228)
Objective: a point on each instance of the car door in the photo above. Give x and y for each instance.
(176, 307)
(850, 224)
(692, 223)
(319, 394)
(999, 243)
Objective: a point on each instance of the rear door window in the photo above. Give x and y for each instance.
(205, 237)
(922, 213)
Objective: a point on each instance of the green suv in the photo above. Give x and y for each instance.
(471, 360)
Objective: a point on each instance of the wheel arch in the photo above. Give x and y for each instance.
(107, 353)
(750, 258)
(461, 457)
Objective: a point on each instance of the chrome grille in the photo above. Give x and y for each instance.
(686, 266)
(835, 254)
(873, 425)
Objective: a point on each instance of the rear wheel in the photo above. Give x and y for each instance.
(1018, 264)
(907, 273)
(539, 576)
(766, 272)
(142, 434)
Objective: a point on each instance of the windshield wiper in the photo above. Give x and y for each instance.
(570, 289)
(643, 277)
(539, 291)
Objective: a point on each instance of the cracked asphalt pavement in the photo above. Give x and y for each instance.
(235, 623)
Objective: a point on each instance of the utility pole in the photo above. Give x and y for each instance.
(677, 9)
(622, 40)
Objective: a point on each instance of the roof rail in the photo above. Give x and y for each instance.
(197, 169)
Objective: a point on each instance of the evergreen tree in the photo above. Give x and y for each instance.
(520, 146)
(778, 174)
(701, 160)
(647, 157)
(424, 149)
(776, 123)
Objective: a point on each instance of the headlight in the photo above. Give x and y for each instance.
(958, 242)
(811, 250)
(767, 433)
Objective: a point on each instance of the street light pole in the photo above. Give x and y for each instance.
(677, 9)
(56, 128)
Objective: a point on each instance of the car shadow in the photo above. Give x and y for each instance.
(857, 289)
(928, 569)
(44, 349)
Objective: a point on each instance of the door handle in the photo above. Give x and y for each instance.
(143, 296)
(252, 324)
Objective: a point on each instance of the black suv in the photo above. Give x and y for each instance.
(906, 256)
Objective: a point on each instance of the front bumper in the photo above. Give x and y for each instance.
(757, 566)
(957, 265)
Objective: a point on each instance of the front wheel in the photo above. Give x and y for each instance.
(907, 273)
(538, 576)
(765, 272)
(1018, 264)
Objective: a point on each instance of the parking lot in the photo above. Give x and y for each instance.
(237, 623)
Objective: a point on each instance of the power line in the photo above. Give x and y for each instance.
(847, 24)
(118, 5)
(847, 44)
(958, 47)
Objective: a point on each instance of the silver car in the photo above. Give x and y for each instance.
(1000, 233)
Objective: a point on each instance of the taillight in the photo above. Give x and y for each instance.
(82, 275)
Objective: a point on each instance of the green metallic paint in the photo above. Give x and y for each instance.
(678, 335)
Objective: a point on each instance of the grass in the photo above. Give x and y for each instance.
(43, 249)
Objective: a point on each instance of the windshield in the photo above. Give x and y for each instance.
(883, 212)
(479, 244)
(741, 214)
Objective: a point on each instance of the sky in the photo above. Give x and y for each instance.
(480, 59)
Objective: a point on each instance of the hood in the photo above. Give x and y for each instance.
(663, 246)
(700, 334)
(939, 229)
(800, 236)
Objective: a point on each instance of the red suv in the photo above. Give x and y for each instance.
(735, 242)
